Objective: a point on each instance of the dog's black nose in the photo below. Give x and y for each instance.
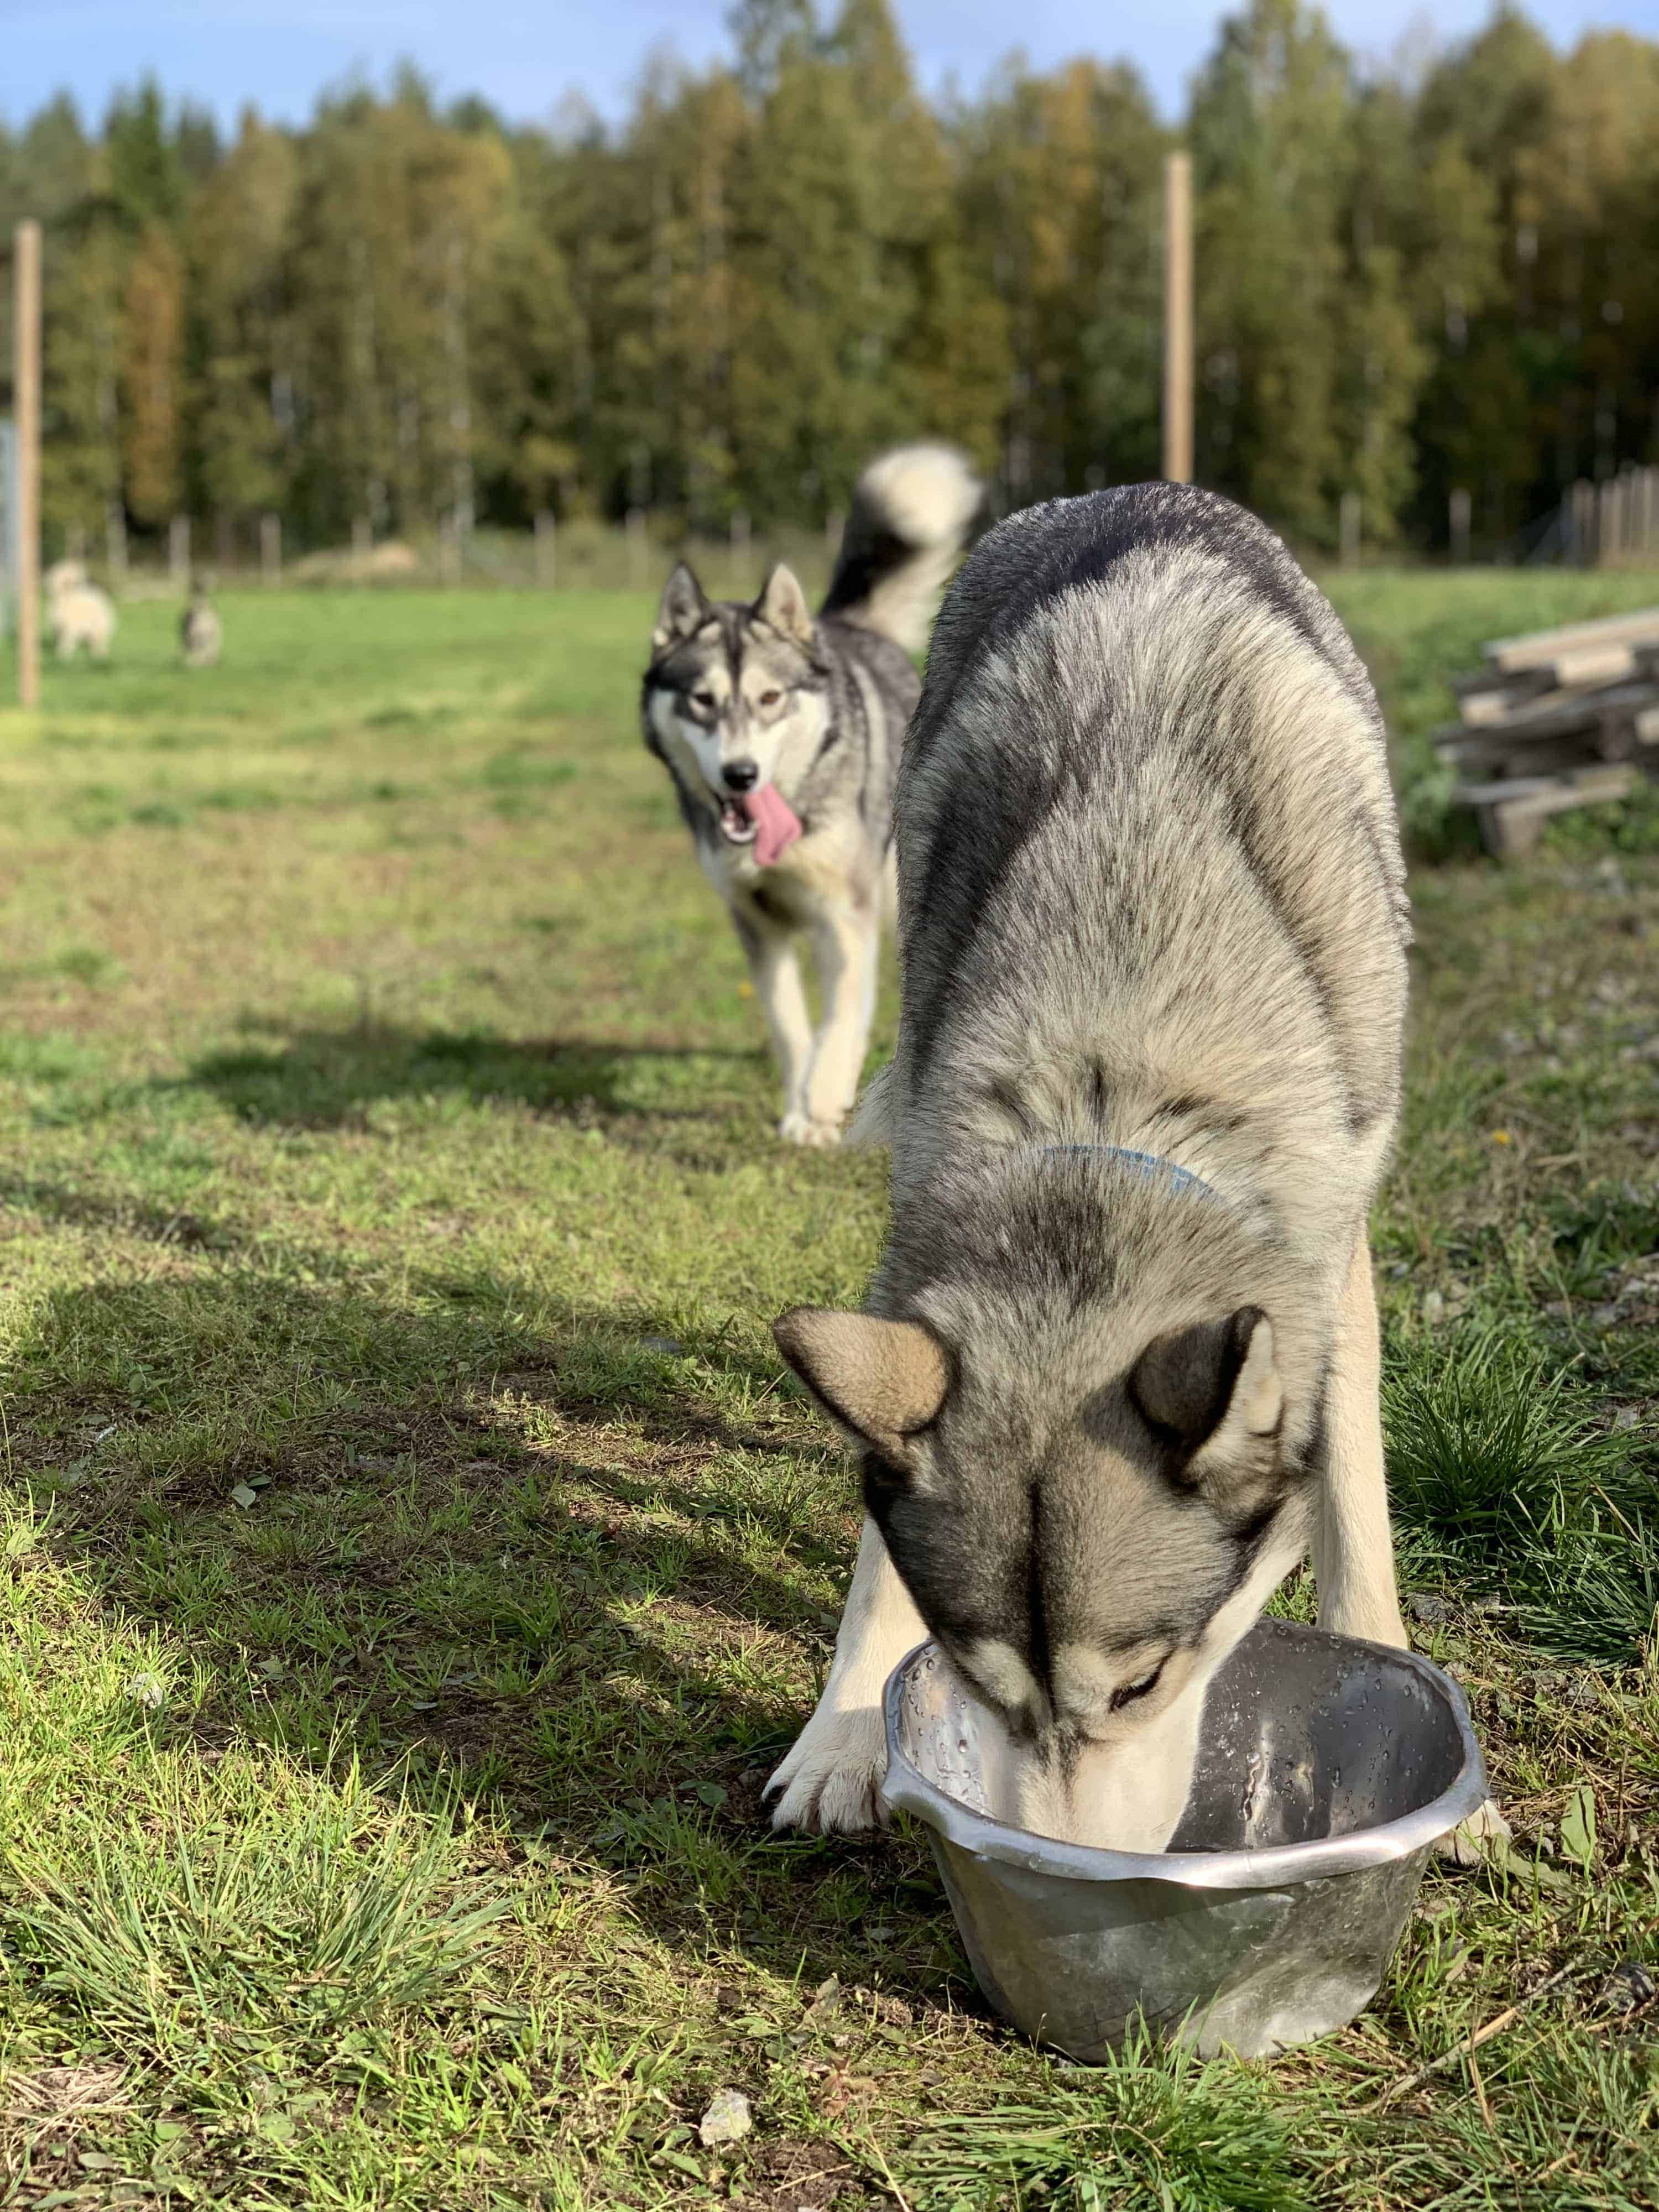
(740, 776)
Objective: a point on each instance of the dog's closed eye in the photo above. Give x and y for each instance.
(1127, 1693)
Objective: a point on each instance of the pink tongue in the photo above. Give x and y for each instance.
(776, 827)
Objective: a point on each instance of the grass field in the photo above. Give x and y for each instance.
(413, 1561)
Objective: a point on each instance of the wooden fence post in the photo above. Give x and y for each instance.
(741, 581)
(1586, 549)
(1460, 514)
(26, 373)
(1349, 517)
(115, 540)
(1178, 318)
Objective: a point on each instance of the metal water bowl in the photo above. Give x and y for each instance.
(1326, 1770)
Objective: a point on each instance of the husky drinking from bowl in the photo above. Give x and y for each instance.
(1119, 1366)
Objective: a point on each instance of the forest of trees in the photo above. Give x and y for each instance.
(1442, 277)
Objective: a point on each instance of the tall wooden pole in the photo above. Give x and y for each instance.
(1178, 318)
(27, 404)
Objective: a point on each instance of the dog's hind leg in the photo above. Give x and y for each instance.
(1352, 1547)
(848, 945)
(775, 969)
(832, 1776)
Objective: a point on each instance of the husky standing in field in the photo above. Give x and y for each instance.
(201, 634)
(78, 613)
(782, 736)
(1119, 1365)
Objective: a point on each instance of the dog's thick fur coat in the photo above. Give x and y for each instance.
(1119, 1365)
(78, 613)
(201, 634)
(781, 733)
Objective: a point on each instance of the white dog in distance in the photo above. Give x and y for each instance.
(77, 612)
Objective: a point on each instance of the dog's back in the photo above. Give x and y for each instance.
(1150, 881)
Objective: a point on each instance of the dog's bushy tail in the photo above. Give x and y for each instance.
(912, 511)
(872, 1117)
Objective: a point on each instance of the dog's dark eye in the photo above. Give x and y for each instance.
(1144, 1688)
(704, 700)
(770, 698)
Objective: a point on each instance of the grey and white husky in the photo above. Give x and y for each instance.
(201, 634)
(1119, 1365)
(783, 733)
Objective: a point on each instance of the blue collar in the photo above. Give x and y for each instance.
(1151, 1167)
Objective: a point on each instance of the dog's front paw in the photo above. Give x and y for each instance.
(831, 1783)
(797, 1128)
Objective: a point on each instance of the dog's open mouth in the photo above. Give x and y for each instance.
(762, 819)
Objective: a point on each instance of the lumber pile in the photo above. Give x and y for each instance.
(1564, 718)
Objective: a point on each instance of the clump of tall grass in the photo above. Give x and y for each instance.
(1505, 1482)
(1150, 2127)
(284, 1922)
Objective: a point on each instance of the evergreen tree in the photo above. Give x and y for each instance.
(89, 245)
(154, 378)
(395, 217)
(243, 441)
(524, 351)
(1274, 147)
(848, 254)
(1061, 182)
(147, 177)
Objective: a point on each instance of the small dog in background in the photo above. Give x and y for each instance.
(200, 632)
(1119, 1366)
(782, 732)
(78, 613)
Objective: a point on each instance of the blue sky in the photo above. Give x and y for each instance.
(524, 58)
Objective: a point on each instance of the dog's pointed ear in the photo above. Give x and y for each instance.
(681, 611)
(1212, 1385)
(782, 603)
(879, 1380)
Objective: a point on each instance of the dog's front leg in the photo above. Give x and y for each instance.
(848, 943)
(1353, 1545)
(1354, 1548)
(832, 1775)
(775, 970)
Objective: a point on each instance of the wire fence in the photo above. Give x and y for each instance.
(1611, 524)
(573, 557)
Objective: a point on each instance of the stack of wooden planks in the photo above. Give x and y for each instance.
(1564, 718)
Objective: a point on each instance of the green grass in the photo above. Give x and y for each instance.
(413, 1561)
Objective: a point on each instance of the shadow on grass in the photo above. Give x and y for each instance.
(321, 1079)
(127, 1216)
(584, 1568)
